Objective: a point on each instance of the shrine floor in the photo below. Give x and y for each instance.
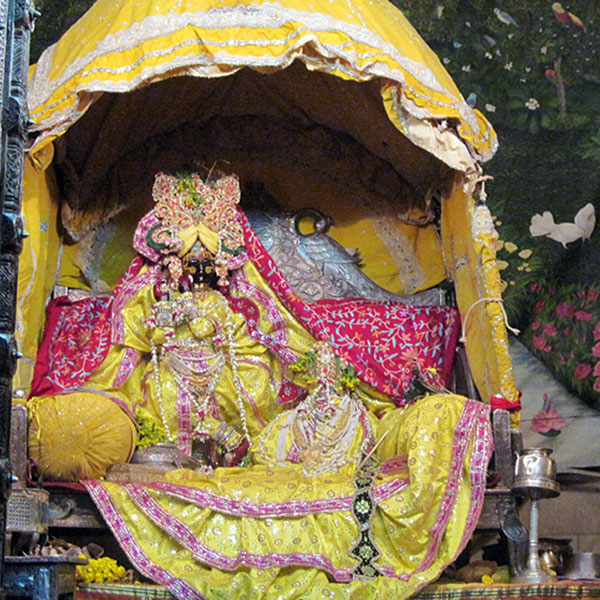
(448, 591)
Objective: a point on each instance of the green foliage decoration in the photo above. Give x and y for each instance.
(528, 75)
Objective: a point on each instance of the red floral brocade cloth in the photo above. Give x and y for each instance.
(384, 341)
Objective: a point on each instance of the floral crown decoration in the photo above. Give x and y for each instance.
(193, 218)
(322, 366)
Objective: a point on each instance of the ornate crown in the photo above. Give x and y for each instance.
(193, 218)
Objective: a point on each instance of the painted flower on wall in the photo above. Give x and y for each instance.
(583, 370)
(565, 309)
(565, 335)
(548, 422)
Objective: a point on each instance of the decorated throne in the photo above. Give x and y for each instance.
(386, 147)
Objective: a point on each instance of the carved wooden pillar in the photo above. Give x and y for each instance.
(16, 18)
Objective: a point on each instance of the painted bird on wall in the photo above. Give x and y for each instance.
(565, 17)
(552, 77)
(505, 18)
(565, 233)
(472, 99)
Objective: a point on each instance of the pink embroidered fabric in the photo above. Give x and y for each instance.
(383, 340)
(76, 339)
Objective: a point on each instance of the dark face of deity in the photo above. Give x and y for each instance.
(201, 270)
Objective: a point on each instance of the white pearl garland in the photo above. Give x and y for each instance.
(159, 392)
(168, 354)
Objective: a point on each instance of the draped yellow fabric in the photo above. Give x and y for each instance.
(469, 237)
(178, 532)
(121, 45)
(37, 263)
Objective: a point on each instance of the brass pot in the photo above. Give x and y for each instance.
(163, 454)
(555, 553)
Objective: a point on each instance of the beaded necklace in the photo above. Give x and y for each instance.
(189, 360)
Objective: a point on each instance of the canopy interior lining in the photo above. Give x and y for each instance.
(209, 119)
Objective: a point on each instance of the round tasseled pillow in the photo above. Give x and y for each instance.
(79, 435)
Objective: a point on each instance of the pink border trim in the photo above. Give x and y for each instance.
(184, 421)
(180, 532)
(126, 540)
(473, 422)
(279, 326)
(128, 363)
(483, 446)
(292, 508)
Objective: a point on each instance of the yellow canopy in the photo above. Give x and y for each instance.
(120, 46)
(335, 104)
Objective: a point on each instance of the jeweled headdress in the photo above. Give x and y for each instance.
(193, 218)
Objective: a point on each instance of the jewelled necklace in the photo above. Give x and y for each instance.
(195, 369)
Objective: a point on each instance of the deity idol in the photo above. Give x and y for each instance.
(320, 477)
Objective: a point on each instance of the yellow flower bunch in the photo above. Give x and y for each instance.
(100, 570)
(150, 431)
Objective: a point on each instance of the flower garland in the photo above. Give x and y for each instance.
(196, 364)
(324, 426)
(103, 570)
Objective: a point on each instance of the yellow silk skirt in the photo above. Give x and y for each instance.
(269, 532)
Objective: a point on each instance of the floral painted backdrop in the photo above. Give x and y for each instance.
(533, 68)
(553, 417)
(564, 334)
